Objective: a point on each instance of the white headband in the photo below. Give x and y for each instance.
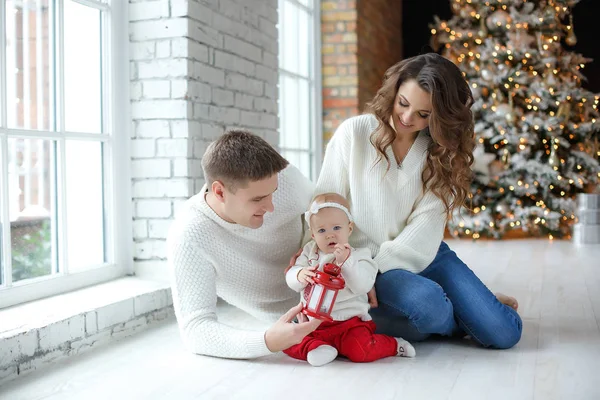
(315, 207)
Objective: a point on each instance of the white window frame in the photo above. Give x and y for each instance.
(315, 87)
(118, 234)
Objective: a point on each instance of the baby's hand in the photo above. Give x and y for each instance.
(305, 275)
(341, 253)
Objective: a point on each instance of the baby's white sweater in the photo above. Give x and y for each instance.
(359, 271)
(400, 223)
(209, 257)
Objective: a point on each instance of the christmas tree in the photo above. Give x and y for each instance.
(535, 124)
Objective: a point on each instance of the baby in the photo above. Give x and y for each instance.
(352, 332)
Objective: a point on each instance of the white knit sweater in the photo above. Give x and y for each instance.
(209, 257)
(359, 271)
(401, 224)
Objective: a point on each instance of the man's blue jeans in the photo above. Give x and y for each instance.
(446, 299)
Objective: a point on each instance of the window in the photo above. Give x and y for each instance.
(58, 144)
(300, 123)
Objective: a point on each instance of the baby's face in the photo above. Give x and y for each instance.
(329, 227)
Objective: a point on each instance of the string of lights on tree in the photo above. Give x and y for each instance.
(535, 124)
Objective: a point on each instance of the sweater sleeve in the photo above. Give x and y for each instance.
(334, 171)
(359, 271)
(195, 302)
(416, 246)
(291, 277)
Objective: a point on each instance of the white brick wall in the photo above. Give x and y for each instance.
(197, 68)
(117, 313)
(55, 335)
(21, 353)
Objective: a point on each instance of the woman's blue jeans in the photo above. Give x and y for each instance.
(446, 299)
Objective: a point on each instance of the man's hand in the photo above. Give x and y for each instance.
(372, 296)
(306, 274)
(284, 334)
(293, 261)
(341, 252)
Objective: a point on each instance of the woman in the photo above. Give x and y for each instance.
(405, 166)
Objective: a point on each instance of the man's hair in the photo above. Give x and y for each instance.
(239, 157)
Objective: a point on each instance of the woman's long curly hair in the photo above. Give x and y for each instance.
(448, 172)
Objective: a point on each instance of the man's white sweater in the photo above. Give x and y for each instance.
(400, 222)
(209, 257)
(359, 272)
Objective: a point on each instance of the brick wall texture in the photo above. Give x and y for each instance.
(197, 68)
(360, 40)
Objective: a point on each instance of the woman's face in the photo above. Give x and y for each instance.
(412, 108)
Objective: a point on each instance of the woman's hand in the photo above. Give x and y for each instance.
(305, 275)
(372, 296)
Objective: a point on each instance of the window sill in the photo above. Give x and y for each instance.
(39, 332)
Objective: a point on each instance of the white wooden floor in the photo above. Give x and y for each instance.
(558, 287)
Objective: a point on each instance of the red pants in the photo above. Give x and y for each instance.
(354, 339)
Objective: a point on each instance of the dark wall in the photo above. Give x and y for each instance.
(416, 17)
(418, 14)
(585, 21)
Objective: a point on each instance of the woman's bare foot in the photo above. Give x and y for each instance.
(507, 300)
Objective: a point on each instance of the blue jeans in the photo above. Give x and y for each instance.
(446, 299)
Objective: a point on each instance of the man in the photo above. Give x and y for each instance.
(228, 242)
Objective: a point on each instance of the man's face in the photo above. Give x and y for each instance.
(248, 205)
